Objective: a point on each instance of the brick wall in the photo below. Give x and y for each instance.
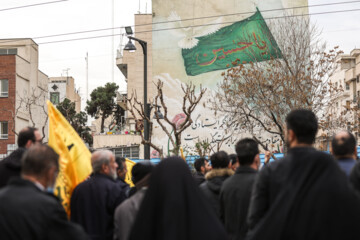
(7, 105)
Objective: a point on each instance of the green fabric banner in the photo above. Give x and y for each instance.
(245, 40)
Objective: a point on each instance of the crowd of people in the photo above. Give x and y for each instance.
(308, 194)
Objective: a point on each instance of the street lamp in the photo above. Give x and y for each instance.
(131, 47)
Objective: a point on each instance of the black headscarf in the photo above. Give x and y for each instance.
(173, 207)
(315, 203)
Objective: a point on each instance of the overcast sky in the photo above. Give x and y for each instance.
(70, 16)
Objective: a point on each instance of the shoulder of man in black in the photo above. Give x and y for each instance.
(40, 214)
(11, 166)
(103, 185)
(355, 177)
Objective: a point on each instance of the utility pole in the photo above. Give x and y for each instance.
(112, 43)
(87, 77)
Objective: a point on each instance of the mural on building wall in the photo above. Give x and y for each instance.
(197, 40)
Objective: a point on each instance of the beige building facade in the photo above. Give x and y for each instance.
(347, 77)
(64, 87)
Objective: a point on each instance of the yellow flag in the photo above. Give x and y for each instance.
(182, 153)
(75, 158)
(129, 166)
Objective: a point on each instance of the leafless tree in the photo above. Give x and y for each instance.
(34, 106)
(172, 128)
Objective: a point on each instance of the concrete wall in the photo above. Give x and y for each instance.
(102, 141)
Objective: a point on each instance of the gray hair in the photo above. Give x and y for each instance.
(99, 158)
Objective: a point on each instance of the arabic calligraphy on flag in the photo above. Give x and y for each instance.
(246, 40)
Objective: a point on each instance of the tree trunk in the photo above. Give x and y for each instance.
(102, 124)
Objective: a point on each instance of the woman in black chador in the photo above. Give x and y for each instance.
(173, 207)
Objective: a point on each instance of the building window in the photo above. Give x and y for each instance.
(55, 97)
(4, 88)
(5, 51)
(127, 152)
(358, 79)
(3, 130)
(347, 104)
(347, 86)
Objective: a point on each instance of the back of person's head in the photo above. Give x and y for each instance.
(120, 162)
(38, 160)
(304, 124)
(99, 158)
(25, 135)
(141, 170)
(219, 160)
(246, 150)
(199, 162)
(233, 158)
(343, 144)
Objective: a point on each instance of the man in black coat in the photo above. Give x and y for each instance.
(26, 210)
(121, 174)
(94, 201)
(201, 166)
(215, 178)
(235, 192)
(11, 165)
(305, 195)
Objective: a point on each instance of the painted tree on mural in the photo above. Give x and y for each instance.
(259, 94)
(173, 127)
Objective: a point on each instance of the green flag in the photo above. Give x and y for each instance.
(246, 40)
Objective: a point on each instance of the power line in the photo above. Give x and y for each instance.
(201, 25)
(31, 5)
(267, 10)
(189, 19)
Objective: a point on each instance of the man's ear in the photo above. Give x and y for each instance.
(355, 152)
(202, 169)
(28, 144)
(105, 168)
(291, 135)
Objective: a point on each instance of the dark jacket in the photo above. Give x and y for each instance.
(199, 178)
(211, 187)
(93, 204)
(124, 186)
(303, 196)
(235, 197)
(26, 212)
(11, 166)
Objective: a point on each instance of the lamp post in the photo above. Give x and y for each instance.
(128, 47)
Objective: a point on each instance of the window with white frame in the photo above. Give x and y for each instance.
(131, 152)
(4, 88)
(4, 130)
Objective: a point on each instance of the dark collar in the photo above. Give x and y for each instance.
(346, 160)
(101, 175)
(245, 169)
(17, 181)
